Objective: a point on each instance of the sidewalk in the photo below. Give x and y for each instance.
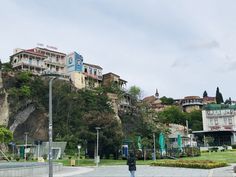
(222, 172)
(71, 171)
(143, 171)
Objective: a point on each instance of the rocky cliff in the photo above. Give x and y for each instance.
(21, 115)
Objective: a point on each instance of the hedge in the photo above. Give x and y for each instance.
(203, 164)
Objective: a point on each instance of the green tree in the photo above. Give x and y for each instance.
(205, 94)
(195, 120)
(167, 101)
(172, 114)
(5, 135)
(135, 92)
(228, 101)
(219, 97)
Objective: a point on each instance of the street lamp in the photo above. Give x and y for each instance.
(52, 76)
(26, 139)
(50, 129)
(79, 147)
(97, 156)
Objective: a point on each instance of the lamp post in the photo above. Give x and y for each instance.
(79, 147)
(52, 77)
(154, 146)
(97, 156)
(26, 139)
(50, 129)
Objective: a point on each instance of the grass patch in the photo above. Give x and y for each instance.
(227, 156)
(203, 164)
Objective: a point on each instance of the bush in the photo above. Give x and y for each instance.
(192, 151)
(233, 146)
(203, 164)
(45, 156)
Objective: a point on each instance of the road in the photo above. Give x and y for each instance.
(144, 171)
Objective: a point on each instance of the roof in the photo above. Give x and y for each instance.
(94, 66)
(218, 106)
(209, 98)
(50, 50)
(110, 73)
(203, 131)
(29, 51)
(149, 99)
(191, 97)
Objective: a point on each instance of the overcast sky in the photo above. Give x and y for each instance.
(180, 47)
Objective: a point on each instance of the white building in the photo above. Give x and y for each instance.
(39, 60)
(219, 122)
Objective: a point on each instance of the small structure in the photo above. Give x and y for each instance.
(41, 150)
(191, 103)
(111, 78)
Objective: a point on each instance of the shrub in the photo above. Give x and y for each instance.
(45, 156)
(192, 151)
(203, 164)
(233, 146)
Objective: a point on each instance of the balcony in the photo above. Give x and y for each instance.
(33, 64)
(192, 103)
(53, 61)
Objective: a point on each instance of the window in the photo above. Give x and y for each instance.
(37, 62)
(90, 70)
(85, 70)
(225, 120)
(211, 122)
(216, 121)
(30, 61)
(230, 120)
(95, 72)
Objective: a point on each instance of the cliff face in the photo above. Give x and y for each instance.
(4, 107)
(21, 115)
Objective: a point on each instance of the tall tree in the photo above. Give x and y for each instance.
(135, 92)
(228, 101)
(205, 94)
(219, 97)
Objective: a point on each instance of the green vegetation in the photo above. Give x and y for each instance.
(204, 164)
(167, 101)
(227, 156)
(205, 94)
(174, 114)
(5, 135)
(219, 97)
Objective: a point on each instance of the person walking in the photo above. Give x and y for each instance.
(131, 162)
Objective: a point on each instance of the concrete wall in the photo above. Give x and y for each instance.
(29, 171)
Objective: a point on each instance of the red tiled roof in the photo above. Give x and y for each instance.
(94, 66)
(209, 98)
(50, 50)
(29, 51)
(191, 97)
(33, 52)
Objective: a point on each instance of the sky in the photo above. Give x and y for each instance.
(180, 47)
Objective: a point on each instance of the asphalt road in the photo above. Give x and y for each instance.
(148, 171)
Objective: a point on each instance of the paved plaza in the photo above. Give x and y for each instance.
(144, 171)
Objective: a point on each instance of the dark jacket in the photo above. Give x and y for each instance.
(131, 161)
